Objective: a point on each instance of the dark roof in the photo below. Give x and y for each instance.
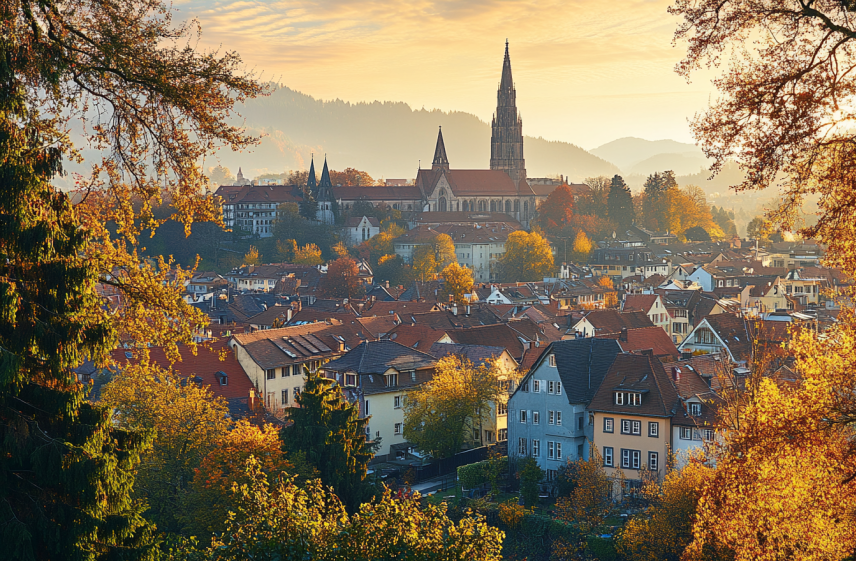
(613, 321)
(642, 338)
(642, 373)
(582, 364)
(415, 336)
(354, 221)
(499, 335)
(376, 357)
(273, 348)
(477, 354)
(731, 329)
(377, 193)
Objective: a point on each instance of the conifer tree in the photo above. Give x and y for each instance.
(620, 204)
(329, 431)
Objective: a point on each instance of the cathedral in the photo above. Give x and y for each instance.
(502, 188)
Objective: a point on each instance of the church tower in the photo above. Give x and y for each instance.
(310, 181)
(506, 142)
(327, 207)
(440, 159)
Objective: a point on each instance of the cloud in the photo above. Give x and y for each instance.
(448, 54)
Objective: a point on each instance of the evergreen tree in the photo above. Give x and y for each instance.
(329, 431)
(655, 207)
(309, 206)
(620, 204)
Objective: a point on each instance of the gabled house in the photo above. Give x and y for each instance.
(726, 333)
(547, 412)
(376, 375)
(607, 322)
(359, 229)
(645, 338)
(631, 415)
(694, 423)
(652, 305)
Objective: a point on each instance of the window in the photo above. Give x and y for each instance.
(625, 426)
(396, 402)
(524, 387)
(695, 409)
(286, 371)
(634, 399)
(707, 434)
(350, 379)
(558, 418)
(607, 456)
(551, 417)
(536, 448)
(608, 425)
(536, 417)
(705, 336)
(501, 409)
(397, 428)
(523, 416)
(550, 450)
(558, 388)
(502, 435)
(271, 374)
(536, 386)
(580, 422)
(637, 428)
(558, 450)
(686, 433)
(367, 407)
(476, 434)
(391, 380)
(521, 446)
(630, 459)
(654, 429)
(284, 397)
(696, 434)
(552, 360)
(619, 398)
(653, 461)
(296, 392)
(549, 386)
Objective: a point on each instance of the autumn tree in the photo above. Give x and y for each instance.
(557, 210)
(343, 279)
(527, 257)
(596, 201)
(582, 248)
(392, 268)
(150, 107)
(444, 251)
(589, 493)
(758, 229)
(280, 520)
(665, 529)
(286, 250)
(620, 209)
(309, 254)
(341, 250)
(220, 176)
(186, 421)
(424, 262)
(330, 432)
(697, 234)
(457, 282)
(351, 176)
(209, 499)
(656, 205)
(440, 415)
(251, 257)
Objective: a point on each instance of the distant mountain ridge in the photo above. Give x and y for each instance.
(639, 156)
(386, 139)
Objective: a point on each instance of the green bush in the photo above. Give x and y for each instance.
(487, 471)
(602, 549)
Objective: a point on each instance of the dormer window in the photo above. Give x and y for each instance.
(695, 409)
(350, 379)
(391, 380)
(628, 398)
(619, 398)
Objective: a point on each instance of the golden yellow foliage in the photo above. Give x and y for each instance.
(458, 282)
(309, 254)
(252, 256)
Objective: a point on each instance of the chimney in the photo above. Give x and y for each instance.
(288, 315)
(623, 336)
(454, 308)
(251, 401)
(251, 268)
(386, 284)
(676, 374)
(341, 346)
(468, 309)
(531, 345)
(686, 355)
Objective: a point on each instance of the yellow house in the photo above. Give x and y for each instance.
(631, 413)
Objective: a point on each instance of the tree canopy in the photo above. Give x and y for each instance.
(527, 257)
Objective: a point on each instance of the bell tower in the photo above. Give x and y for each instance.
(506, 141)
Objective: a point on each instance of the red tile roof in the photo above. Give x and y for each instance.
(415, 336)
(639, 302)
(646, 338)
(205, 365)
(377, 193)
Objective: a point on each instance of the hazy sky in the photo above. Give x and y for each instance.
(586, 71)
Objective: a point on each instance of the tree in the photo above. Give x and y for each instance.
(284, 521)
(187, 422)
(351, 176)
(582, 248)
(379, 246)
(67, 472)
(439, 416)
(392, 268)
(758, 229)
(655, 207)
(620, 207)
(341, 250)
(220, 176)
(205, 508)
(530, 474)
(596, 202)
(308, 206)
(589, 501)
(557, 210)
(343, 279)
(527, 257)
(444, 251)
(286, 250)
(424, 262)
(697, 234)
(252, 257)
(329, 431)
(309, 254)
(457, 282)
(665, 529)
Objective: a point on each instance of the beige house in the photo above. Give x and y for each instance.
(631, 414)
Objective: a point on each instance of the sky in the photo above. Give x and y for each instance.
(586, 71)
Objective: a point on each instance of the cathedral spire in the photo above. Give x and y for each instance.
(506, 142)
(507, 83)
(325, 183)
(310, 181)
(440, 159)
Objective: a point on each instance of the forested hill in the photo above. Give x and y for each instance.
(385, 139)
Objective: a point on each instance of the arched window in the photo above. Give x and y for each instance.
(481, 206)
(525, 210)
(458, 204)
(517, 206)
(493, 206)
(508, 206)
(442, 204)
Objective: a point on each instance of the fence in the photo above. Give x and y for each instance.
(450, 465)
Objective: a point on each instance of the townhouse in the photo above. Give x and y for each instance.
(547, 417)
(607, 322)
(651, 305)
(694, 422)
(631, 416)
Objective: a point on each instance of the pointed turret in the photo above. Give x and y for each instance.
(325, 185)
(507, 83)
(310, 181)
(440, 159)
(506, 143)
